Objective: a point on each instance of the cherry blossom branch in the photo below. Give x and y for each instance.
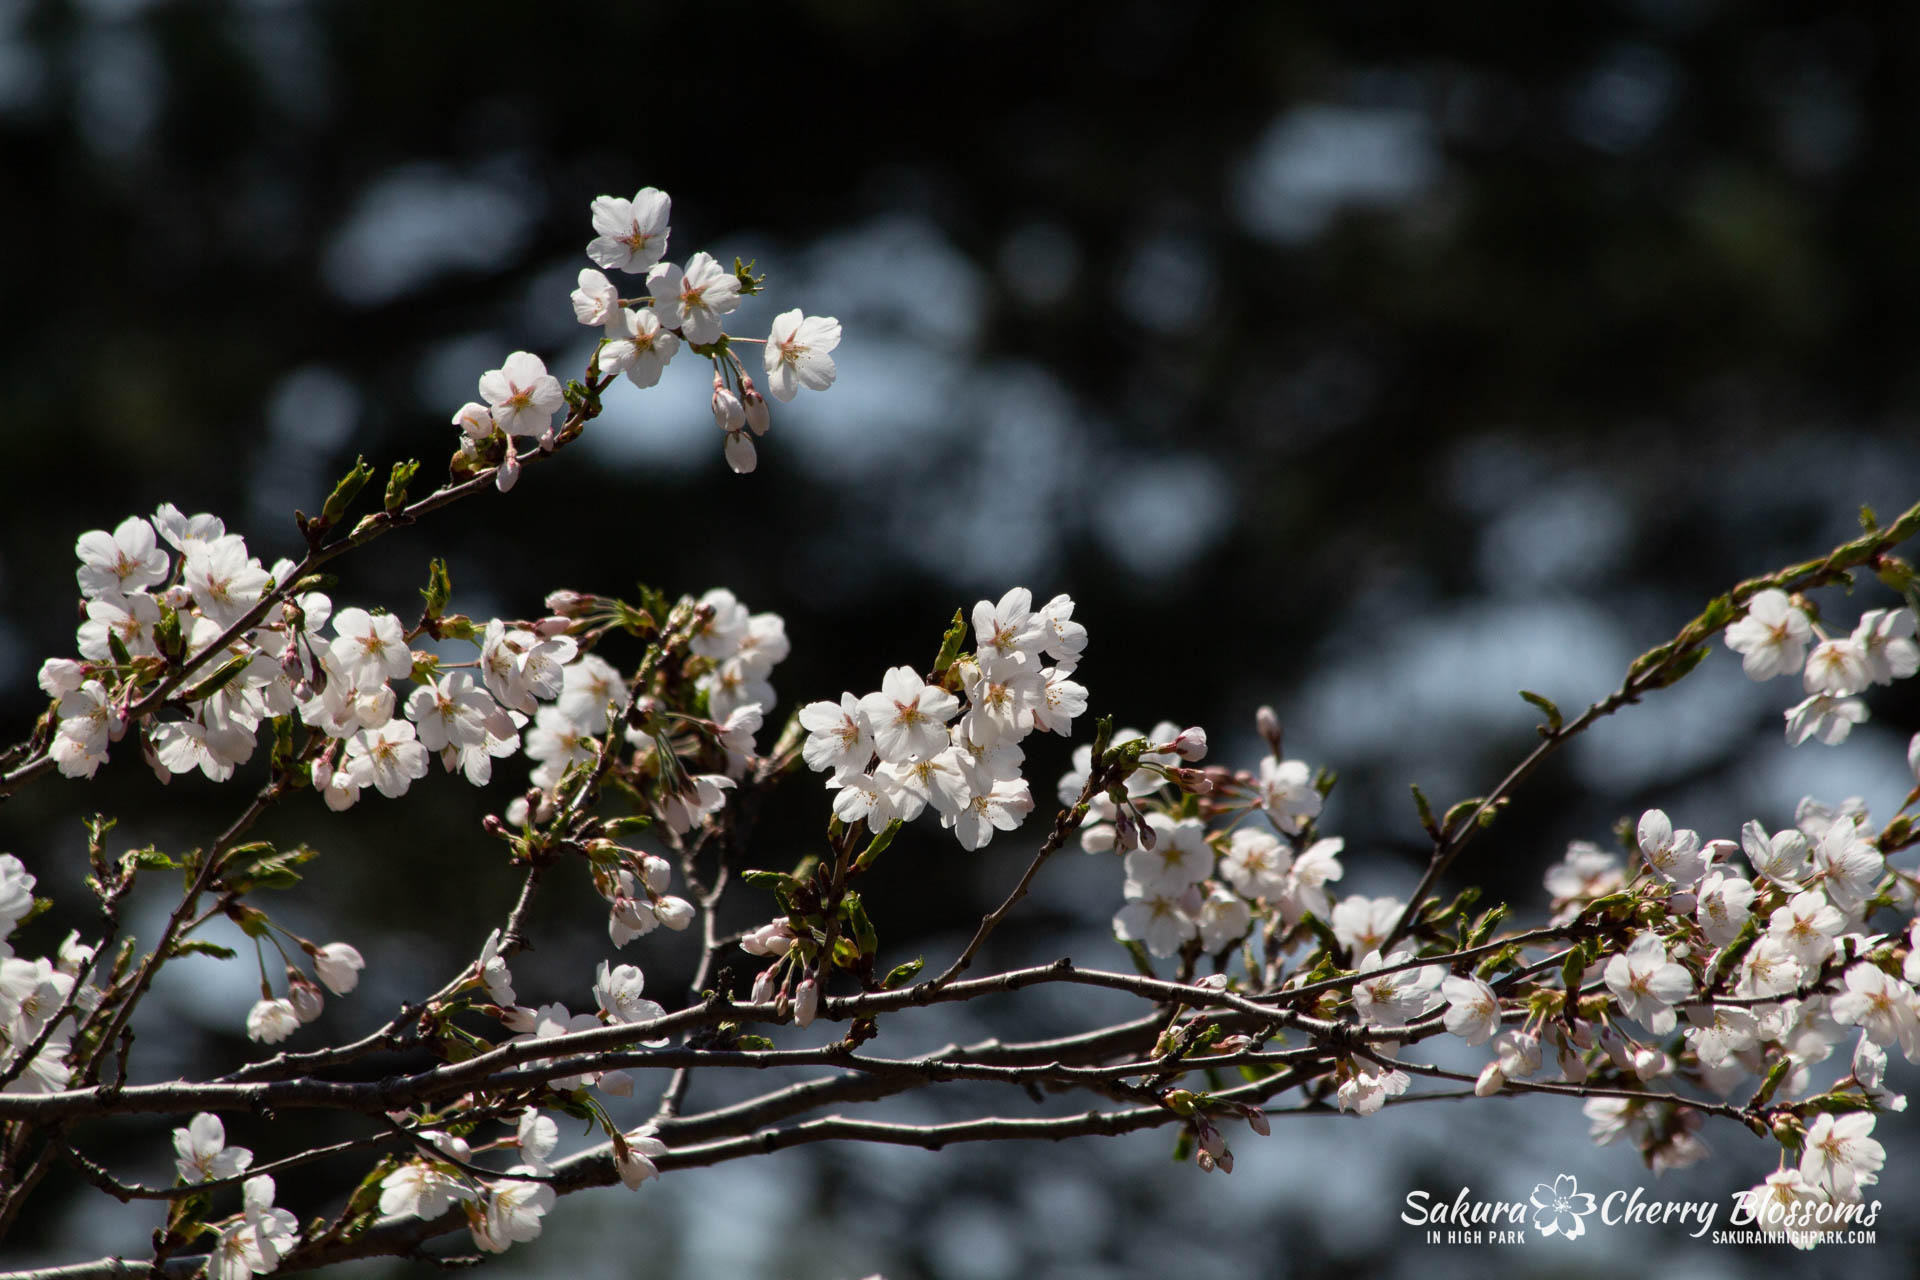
(1654, 669)
(370, 527)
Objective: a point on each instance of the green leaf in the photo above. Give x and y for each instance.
(1428, 823)
(397, 482)
(147, 859)
(1547, 709)
(1461, 810)
(950, 646)
(1771, 1085)
(344, 493)
(854, 912)
(439, 588)
(269, 871)
(1483, 927)
(1508, 957)
(1102, 735)
(779, 883)
(1677, 669)
(229, 672)
(752, 1044)
(878, 845)
(166, 632)
(901, 974)
(199, 947)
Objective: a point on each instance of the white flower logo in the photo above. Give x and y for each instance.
(1561, 1207)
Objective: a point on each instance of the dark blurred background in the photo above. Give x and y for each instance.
(1372, 360)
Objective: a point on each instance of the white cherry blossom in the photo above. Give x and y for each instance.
(796, 354)
(694, 299)
(632, 233)
(202, 1151)
(1885, 640)
(1772, 638)
(522, 394)
(127, 560)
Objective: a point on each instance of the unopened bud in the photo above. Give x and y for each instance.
(763, 985)
(1492, 1080)
(1204, 1159)
(806, 1003)
(1225, 1161)
(757, 415)
(1269, 726)
(1191, 744)
(675, 913)
(555, 626)
(569, 604)
(617, 1084)
(728, 413)
(1257, 1121)
(656, 871)
(1195, 781)
(304, 996)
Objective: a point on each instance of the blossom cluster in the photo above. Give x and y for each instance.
(1186, 886)
(892, 754)
(38, 998)
(684, 305)
(1772, 640)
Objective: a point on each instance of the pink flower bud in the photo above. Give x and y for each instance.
(304, 996)
(1257, 1121)
(806, 1002)
(1191, 744)
(675, 913)
(509, 471)
(656, 871)
(1269, 726)
(741, 457)
(616, 1084)
(570, 604)
(757, 416)
(1193, 780)
(763, 985)
(1492, 1080)
(1204, 1159)
(728, 413)
(550, 627)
